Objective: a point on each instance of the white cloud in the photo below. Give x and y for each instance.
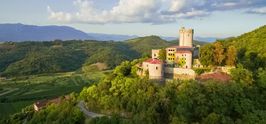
(59, 16)
(177, 5)
(261, 10)
(150, 11)
(193, 13)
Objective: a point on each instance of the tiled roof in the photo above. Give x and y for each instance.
(44, 103)
(154, 61)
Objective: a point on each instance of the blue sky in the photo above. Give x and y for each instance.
(209, 18)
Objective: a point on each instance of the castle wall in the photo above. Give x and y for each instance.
(182, 73)
(169, 70)
(156, 71)
(188, 59)
(145, 66)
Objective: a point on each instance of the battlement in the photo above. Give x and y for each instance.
(184, 30)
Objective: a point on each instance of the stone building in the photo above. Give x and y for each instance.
(153, 67)
(178, 61)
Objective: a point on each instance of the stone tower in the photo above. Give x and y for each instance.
(186, 37)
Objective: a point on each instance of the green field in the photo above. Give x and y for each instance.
(17, 93)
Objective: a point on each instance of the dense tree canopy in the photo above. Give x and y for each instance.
(138, 100)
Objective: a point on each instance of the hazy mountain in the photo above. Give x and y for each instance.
(205, 39)
(20, 32)
(110, 37)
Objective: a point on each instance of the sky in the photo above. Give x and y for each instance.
(209, 18)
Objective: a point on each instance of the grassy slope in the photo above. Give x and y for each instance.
(254, 41)
(36, 87)
(145, 44)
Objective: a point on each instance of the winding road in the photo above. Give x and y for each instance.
(88, 113)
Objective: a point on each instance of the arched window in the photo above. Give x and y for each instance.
(156, 68)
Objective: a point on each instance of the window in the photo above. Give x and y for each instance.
(156, 68)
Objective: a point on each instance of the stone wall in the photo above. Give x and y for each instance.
(156, 71)
(169, 70)
(181, 73)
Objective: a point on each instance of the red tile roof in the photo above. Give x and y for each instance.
(43, 103)
(154, 61)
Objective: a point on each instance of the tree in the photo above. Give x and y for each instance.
(162, 54)
(242, 75)
(218, 53)
(231, 56)
(124, 69)
(181, 62)
(261, 78)
(206, 55)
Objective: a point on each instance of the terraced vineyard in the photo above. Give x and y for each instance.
(19, 92)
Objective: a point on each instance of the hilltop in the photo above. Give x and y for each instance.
(247, 50)
(254, 41)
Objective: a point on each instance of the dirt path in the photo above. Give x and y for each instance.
(88, 113)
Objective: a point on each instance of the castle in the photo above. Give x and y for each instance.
(178, 62)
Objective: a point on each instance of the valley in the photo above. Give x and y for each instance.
(19, 92)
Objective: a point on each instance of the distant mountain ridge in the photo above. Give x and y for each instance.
(20, 32)
(110, 37)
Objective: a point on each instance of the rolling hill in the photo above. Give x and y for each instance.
(254, 41)
(26, 58)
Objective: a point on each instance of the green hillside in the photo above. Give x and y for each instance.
(254, 41)
(145, 44)
(27, 58)
(248, 50)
